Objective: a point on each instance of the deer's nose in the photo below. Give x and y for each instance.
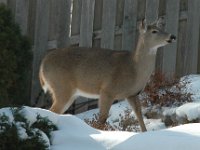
(173, 37)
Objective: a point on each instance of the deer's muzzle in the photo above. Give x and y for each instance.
(172, 39)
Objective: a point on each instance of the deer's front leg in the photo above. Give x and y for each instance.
(105, 103)
(135, 103)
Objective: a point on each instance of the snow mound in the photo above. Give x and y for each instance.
(192, 86)
(191, 111)
(75, 134)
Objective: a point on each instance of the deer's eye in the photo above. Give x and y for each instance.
(154, 31)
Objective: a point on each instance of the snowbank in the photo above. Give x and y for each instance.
(191, 111)
(192, 85)
(75, 134)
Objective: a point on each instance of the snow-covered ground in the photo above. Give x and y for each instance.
(74, 134)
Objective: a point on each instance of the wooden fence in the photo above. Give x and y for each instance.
(109, 24)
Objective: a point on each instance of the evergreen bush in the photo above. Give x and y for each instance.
(20, 134)
(15, 61)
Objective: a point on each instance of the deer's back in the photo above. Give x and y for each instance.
(91, 68)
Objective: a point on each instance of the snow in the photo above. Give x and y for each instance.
(21, 131)
(178, 138)
(190, 110)
(154, 124)
(74, 134)
(192, 83)
(31, 114)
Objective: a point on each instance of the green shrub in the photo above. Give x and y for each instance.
(15, 61)
(10, 136)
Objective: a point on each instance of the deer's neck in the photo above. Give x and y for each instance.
(144, 58)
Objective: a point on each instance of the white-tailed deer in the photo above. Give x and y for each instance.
(102, 73)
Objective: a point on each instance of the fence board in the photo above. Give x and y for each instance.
(119, 13)
(21, 15)
(64, 8)
(86, 28)
(192, 36)
(98, 15)
(152, 10)
(141, 9)
(53, 21)
(40, 43)
(3, 1)
(76, 17)
(119, 17)
(11, 4)
(172, 23)
(97, 22)
(31, 20)
(182, 52)
(108, 23)
(129, 25)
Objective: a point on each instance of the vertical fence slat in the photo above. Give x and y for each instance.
(64, 23)
(108, 23)
(181, 51)
(97, 21)
(11, 4)
(53, 21)
(86, 27)
(31, 19)
(192, 36)
(151, 10)
(40, 43)
(98, 14)
(76, 17)
(172, 23)
(3, 1)
(21, 14)
(129, 25)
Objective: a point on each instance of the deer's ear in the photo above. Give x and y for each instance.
(143, 26)
(160, 22)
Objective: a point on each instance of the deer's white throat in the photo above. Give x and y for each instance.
(153, 51)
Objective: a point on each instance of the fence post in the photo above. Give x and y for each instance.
(108, 23)
(64, 8)
(40, 43)
(21, 15)
(192, 38)
(151, 14)
(170, 51)
(86, 27)
(129, 25)
(3, 1)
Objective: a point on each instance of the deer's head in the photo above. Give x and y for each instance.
(154, 36)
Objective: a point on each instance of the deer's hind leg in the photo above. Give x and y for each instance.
(62, 95)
